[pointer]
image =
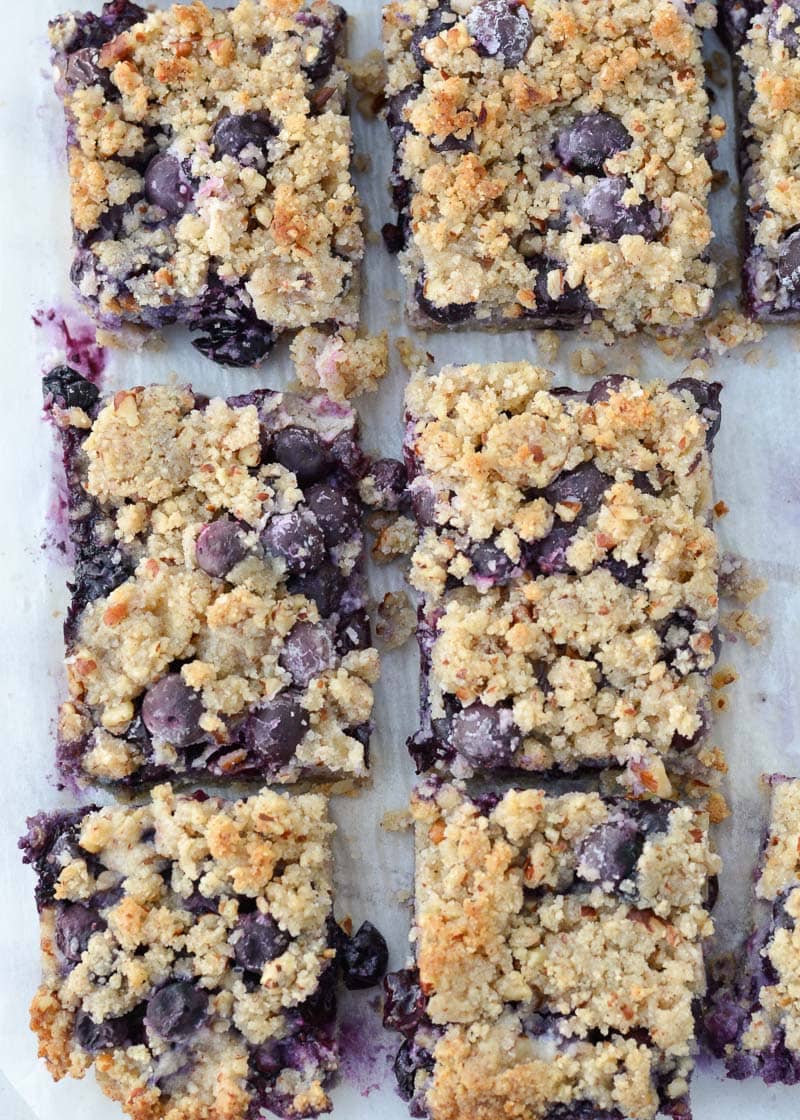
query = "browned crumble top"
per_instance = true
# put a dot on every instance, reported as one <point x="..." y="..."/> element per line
<point x="778" y="1007"/>
<point x="596" y="960"/>
<point x="292" y="235"/>
<point x="771" y="79"/>
<point x="342" y="365"/>
<point x="161" y="469"/>
<point x="477" y="215"/>
<point x="272" y="849"/>
<point x="486" y="435"/>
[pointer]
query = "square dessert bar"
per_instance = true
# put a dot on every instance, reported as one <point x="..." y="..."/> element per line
<point x="754" y="1024"/>
<point x="766" y="39"/>
<point x="551" y="161"/>
<point x="559" y="955"/>
<point x="209" y="159"/>
<point x="568" y="568"/>
<point x="188" y="953"/>
<point x="218" y="625"/>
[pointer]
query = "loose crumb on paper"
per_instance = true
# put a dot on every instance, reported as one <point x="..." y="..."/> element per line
<point x="394" y="537"/>
<point x="586" y="362"/>
<point x="729" y="329"/>
<point x="736" y="581"/>
<point x="396" y="820"/>
<point x="396" y="620"/>
<point x="344" y="365"/>
<point x="413" y="358"/>
<point x="745" y="624"/>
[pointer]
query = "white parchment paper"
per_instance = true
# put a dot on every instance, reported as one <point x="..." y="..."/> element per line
<point x="757" y="476"/>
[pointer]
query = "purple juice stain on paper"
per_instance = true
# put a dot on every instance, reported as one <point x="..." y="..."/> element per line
<point x="72" y="334"/>
<point x="366" y="1053"/>
<point x="71" y="339"/>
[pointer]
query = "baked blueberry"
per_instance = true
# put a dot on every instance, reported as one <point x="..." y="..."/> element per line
<point x="449" y="315"/>
<point x="296" y="539"/>
<point x="302" y="452"/>
<point x="404" y="1002"/>
<point x="580" y="490"/>
<point x="439" y="19"/>
<point x="592" y="138"/>
<point x="336" y="514"/>
<point x="609" y="218"/>
<point x="229" y="331"/>
<point x="171" y="711"/>
<point x="788" y="266"/>
<point x="68" y="389"/>
<point x="610" y="852"/>
<point x="364" y="958"/>
<point x="75" y="925"/>
<point x="109" y="1034"/>
<point x="500" y="28"/>
<point x="177" y="1011"/>
<point x="166" y="185"/>
<point x="325" y="586"/>
<point x="490" y="563"/>
<point x="244" y="136"/>
<point x="308" y="651"/>
<point x="258" y="939"/>
<point x="276" y="728"/>
<point x="219" y="547"/>
<point x="606" y="387"/>
<point x="484" y="736"/>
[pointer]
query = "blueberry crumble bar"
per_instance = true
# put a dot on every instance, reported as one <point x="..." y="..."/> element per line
<point x="552" y="161"/>
<point x="754" y="1021"/>
<point x="766" y="39"/>
<point x="559" y="955"/>
<point x="568" y="571"/>
<point x="188" y="953"/>
<point x="209" y="159"/>
<point x="218" y="622"/>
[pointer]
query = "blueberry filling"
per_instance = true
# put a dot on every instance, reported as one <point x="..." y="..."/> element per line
<point x="166" y="185"/>
<point x="75" y="926"/>
<point x="229" y="331"/>
<point x="259" y="940"/>
<point x="219" y="547"/>
<point x="364" y="958"/>
<point x="275" y="730"/>
<point x="448" y="315"/>
<point x="308" y="651"/>
<point x="296" y="539"/>
<point x="110" y="1034"/>
<point x="788" y="267"/>
<point x="68" y="389"/>
<point x="569" y="305"/>
<point x="609" y="218"/>
<point x="440" y="19"/>
<point x="177" y="1011"/>
<point x="485" y="737"/>
<point x="404" y="1002"/>
<point x="302" y="452"/>
<point x="244" y="137"/>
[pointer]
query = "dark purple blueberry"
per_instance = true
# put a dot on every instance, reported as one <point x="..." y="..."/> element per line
<point x="389" y="480"/>
<point x="337" y="515"/>
<point x="396" y="117"/>
<point x="423" y="502"/>
<point x="581" y="489"/>
<point x="93" y="1037"/>
<point x="353" y="632"/>
<point x="171" y="711"/>
<point x="308" y="651"/>
<point x="571" y="304"/>
<point x="609" y="218"/>
<point x="297" y="539"/>
<point x="410" y="1058"/>
<point x="781" y="918"/>
<point x="404" y="1002"/>
<point x="706" y="395"/>
<point x="220" y="547"/>
<point x="230" y="332"/>
<point x="325" y="587"/>
<point x="268" y="1059"/>
<point x="449" y="315"/>
<point x="489" y="562"/>
<point x="318" y="62"/>
<point x="84" y="70"/>
<point x="484" y="736"/>
<point x="429" y="30"/>
<point x="166" y="185"/>
<point x="198" y="904"/>
<point x="610" y="852"/>
<point x="259" y="940"/>
<point x="394" y="237"/>
<point x="68" y="389"/>
<point x="550" y="553"/>
<point x="320" y="1008"/>
<point x="623" y="573"/>
<point x="500" y="27"/>
<point x="302" y="452"/>
<point x="276" y="729"/>
<point x="676" y="632"/>
<point x="364" y="958"/>
<point x="177" y="1011"/>
<point x="75" y="924"/>
<point x="236" y="133"/>
<point x="591" y="139"/>
<point x="606" y="387"/>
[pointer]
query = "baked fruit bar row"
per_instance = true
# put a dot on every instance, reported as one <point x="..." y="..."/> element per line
<point x="551" y="161"/>
<point x="765" y="38"/>
<point x="190" y="954"/>
<point x="558" y="956"/>
<point x="218" y="625"/>
<point x="568" y="569"/>
<point x="753" y="1021"/>
<point x="209" y="159"/>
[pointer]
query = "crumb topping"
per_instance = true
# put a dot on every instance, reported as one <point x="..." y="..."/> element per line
<point x="342" y="365"/>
